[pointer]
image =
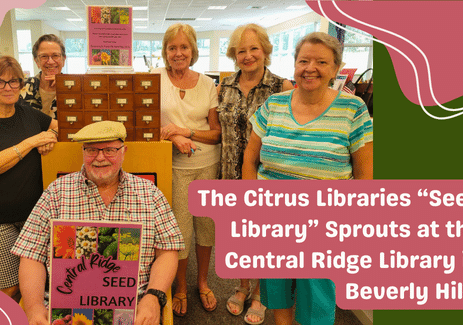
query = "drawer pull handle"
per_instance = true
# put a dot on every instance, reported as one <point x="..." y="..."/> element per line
<point x="121" y="83"/>
<point x="70" y="102"/>
<point x="147" y="101"/>
<point x="71" y="119"/>
<point x="148" y="136"/>
<point x="96" y="101"/>
<point x="146" y="83"/>
<point x="121" y="101"/>
<point x="95" y="84"/>
<point x="122" y="118"/>
<point x="69" y="83"/>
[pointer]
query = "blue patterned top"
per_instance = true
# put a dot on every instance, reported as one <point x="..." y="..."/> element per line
<point x="319" y="149"/>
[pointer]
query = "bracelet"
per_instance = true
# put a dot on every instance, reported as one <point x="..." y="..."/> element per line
<point x="18" y="153"/>
<point x="192" y="133"/>
<point x="53" y="131"/>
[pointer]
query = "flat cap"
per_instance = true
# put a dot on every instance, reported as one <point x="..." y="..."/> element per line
<point x="101" y="132"/>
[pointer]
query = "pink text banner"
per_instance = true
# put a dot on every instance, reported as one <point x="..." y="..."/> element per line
<point x="385" y="244"/>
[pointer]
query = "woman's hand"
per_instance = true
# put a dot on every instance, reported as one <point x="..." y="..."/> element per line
<point x="42" y="139"/>
<point x="45" y="149"/>
<point x="172" y="129"/>
<point x="184" y="145"/>
<point x="50" y="79"/>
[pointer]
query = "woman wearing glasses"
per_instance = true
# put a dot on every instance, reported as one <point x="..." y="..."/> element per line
<point x="40" y="91"/>
<point x="25" y="134"/>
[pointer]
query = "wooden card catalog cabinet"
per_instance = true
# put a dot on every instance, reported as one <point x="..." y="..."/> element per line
<point x="131" y="99"/>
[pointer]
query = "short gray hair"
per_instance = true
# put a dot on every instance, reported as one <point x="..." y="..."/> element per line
<point x="48" y="38"/>
<point x="322" y="38"/>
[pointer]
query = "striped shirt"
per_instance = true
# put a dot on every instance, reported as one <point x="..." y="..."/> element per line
<point x="74" y="197"/>
<point x="319" y="149"/>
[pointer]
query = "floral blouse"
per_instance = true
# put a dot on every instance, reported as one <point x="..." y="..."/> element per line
<point x="31" y="95"/>
<point x="234" y="112"/>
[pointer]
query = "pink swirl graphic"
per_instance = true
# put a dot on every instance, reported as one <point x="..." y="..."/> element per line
<point x="10" y="312"/>
<point x="424" y="69"/>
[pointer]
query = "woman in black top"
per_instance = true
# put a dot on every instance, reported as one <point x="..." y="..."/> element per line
<point x="25" y="134"/>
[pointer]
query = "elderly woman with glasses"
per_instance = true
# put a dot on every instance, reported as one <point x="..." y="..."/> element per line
<point x="310" y="133"/>
<point x="25" y="134"/>
<point x="40" y="91"/>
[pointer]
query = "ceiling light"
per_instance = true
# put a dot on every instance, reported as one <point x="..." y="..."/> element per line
<point x="74" y="19"/>
<point x="256" y="7"/>
<point x="140" y="19"/>
<point x="59" y="8"/>
<point x="203" y="18"/>
<point x="217" y="7"/>
<point x="297" y="7"/>
<point x="139" y="8"/>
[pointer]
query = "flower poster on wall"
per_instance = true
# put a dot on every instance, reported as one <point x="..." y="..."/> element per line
<point x="109" y="36"/>
<point x="94" y="272"/>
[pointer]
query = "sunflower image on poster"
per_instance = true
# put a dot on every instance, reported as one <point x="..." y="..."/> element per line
<point x="107" y="241"/>
<point x="64" y="242"/>
<point x="82" y="317"/>
<point x="129" y="244"/>
<point x="124" y="16"/>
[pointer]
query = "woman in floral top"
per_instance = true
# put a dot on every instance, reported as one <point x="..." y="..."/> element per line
<point x="40" y="91"/>
<point x="240" y="95"/>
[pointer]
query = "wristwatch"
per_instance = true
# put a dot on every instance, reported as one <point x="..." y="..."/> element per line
<point x="161" y="296"/>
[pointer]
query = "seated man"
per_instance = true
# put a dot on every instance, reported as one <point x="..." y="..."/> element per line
<point x="102" y="191"/>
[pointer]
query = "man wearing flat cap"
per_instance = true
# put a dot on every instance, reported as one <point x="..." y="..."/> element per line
<point x="102" y="191"/>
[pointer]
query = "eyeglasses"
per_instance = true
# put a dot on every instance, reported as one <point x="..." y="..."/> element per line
<point x="107" y="152"/>
<point x="14" y="83"/>
<point x="44" y="58"/>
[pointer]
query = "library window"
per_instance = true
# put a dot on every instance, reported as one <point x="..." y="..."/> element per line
<point x="76" y="55"/>
<point x="25" y="52"/>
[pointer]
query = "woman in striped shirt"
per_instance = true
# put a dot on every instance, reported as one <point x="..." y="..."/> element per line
<point x="312" y="132"/>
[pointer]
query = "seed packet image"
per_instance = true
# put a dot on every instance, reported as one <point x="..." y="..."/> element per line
<point x="129" y="244"/>
<point x="123" y="317"/>
<point x="105" y="15"/>
<point x="103" y="316"/>
<point x="61" y="316"/>
<point x="64" y="242"/>
<point x="95" y="13"/>
<point x="114" y="15"/>
<point x="82" y="317"/>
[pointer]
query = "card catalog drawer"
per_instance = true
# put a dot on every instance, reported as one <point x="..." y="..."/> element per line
<point x="130" y="134"/>
<point x="148" y="119"/>
<point x="147" y="101"/>
<point x="95" y="83"/>
<point x="69" y="101"/>
<point x="95" y="116"/>
<point x="147" y="134"/>
<point x="120" y="83"/>
<point x="96" y="102"/>
<point x="68" y="83"/>
<point x="65" y="134"/>
<point x="125" y="117"/>
<point x="70" y="119"/>
<point x="146" y="83"/>
<point x="121" y="101"/>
